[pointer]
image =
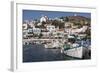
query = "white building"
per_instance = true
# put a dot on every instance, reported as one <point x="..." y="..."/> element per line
<point x="68" y="24"/>
<point x="30" y="30"/>
<point x="25" y="26"/>
<point x="36" y="31"/>
<point x="68" y="31"/>
<point x="31" y="24"/>
<point x="58" y="33"/>
<point x="44" y="18"/>
<point x="51" y="28"/>
<point x="25" y="33"/>
<point x="46" y="34"/>
<point x="83" y="29"/>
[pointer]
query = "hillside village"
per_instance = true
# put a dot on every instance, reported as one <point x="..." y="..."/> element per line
<point x="62" y="27"/>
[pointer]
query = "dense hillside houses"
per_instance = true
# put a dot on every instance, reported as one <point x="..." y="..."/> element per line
<point x="58" y="27"/>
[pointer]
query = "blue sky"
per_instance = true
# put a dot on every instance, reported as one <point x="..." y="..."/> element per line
<point x="36" y="14"/>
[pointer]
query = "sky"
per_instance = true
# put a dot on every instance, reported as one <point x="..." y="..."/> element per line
<point x="36" y="14"/>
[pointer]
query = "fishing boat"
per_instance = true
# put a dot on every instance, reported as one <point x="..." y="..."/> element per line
<point x="75" y="50"/>
<point x="78" y="51"/>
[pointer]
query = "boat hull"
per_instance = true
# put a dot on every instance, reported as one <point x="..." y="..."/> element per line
<point x="75" y="52"/>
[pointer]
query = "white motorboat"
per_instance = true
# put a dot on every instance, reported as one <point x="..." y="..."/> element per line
<point x="54" y="44"/>
<point x="49" y="45"/>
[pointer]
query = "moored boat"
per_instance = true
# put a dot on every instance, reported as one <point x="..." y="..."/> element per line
<point x="76" y="52"/>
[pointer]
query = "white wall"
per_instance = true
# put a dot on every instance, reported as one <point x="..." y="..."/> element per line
<point x="5" y="35"/>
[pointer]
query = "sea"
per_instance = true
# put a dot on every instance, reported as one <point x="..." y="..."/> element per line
<point x="38" y="53"/>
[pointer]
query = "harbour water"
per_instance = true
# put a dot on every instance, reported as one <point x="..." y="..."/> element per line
<point x="37" y="53"/>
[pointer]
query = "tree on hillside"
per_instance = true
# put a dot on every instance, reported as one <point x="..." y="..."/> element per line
<point x="58" y="24"/>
